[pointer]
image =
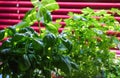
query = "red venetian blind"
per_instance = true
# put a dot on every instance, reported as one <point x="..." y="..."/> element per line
<point x="12" y="11"/>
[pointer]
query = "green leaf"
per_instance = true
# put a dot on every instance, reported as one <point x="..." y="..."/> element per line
<point x="5" y="51"/>
<point x="87" y="10"/>
<point x="33" y="60"/>
<point x="74" y="65"/>
<point x="51" y="27"/>
<point x="37" y="44"/>
<point x="22" y="24"/>
<point x="6" y="43"/>
<point x="49" y="39"/>
<point x="50" y="4"/>
<point x="67" y="43"/>
<point x="32" y="31"/>
<point x="18" y="51"/>
<point x="23" y="30"/>
<point x="63" y="63"/>
<point x="101" y="12"/>
<point x="24" y="63"/>
<point x="18" y="37"/>
<point x="39" y="14"/>
<point x="28" y="31"/>
<point x="30" y="16"/>
<point x="11" y="31"/>
<point x="115" y="10"/>
<point x="76" y="17"/>
<point x="35" y="3"/>
<point x="2" y="34"/>
<point x="62" y="48"/>
<point x="66" y="64"/>
<point x="46" y="15"/>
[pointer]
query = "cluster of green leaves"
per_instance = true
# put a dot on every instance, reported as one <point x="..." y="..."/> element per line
<point x="91" y="45"/>
<point x="28" y="54"/>
<point x="25" y="52"/>
<point x="41" y="12"/>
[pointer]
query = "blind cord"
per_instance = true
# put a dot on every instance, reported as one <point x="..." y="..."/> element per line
<point x="18" y="11"/>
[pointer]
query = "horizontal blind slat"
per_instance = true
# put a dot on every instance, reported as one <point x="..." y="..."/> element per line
<point x="8" y="3"/>
<point x="113" y="1"/>
<point x="91" y="5"/>
<point x="71" y="4"/>
<point x="15" y="16"/>
<point x="13" y="10"/>
<point x="62" y="11"/>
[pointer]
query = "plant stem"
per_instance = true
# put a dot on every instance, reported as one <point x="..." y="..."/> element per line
<point x="26" y="46"/>
<point x="39" y="26"/>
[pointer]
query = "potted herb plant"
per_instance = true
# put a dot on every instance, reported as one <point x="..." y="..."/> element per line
<point x="91" y="43"/>
<point x="25" y="53"/>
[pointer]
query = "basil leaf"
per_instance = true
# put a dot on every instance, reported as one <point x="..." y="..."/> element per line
<point x="2" y="34"/>
<point x="50" y="4"/>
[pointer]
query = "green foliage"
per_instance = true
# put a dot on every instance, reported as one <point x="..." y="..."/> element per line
<point x="80" y="51"/>
<point x="26" y="51"/>
<point x="40" y="12"/>
<point x="51" y="28"/>
<point x="115" y="11"/>
<point x="91" y="45"/>
<point x="2" y="34"/>
<point x="28" y="54"/>
<point x="35" y="3"/>
<point x="50" y="40"/>
<point x="30" y="17"/>
<point x="50" y="4"/>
